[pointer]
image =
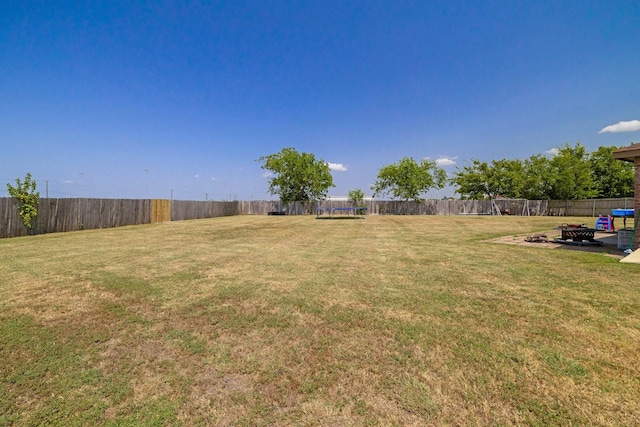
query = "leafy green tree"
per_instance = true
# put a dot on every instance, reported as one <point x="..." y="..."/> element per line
<point x="537" y="180"/>
<point x="571" y="174"/>
<point x="504" y="178"/>
<point x="298" y="177"/>
<point x="356" y="197"/>
<point x="27" y="196"/>
<point x="471" y="180"/>
<point x="408" y="179"/>
<point x="611" y="177"/>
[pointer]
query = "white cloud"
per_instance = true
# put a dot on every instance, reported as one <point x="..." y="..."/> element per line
<point x="197" y="176"/>
<point x="68" y="181"/>
<point x="629" y="126"/>
<point x="337" y="167"/>
<point x="267" y="174"/>
<point x="553" y="151"/>
<point x="446" y="161"/>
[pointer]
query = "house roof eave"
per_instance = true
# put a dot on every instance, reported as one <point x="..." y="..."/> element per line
<point x="628" y="154"/>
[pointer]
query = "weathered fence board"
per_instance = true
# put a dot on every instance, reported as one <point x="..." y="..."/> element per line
<point x="160" y="210"/>
<point x="58" y="215"/>
<point x="591" y="207"/>
<point x="266" y="207"/>
<point x="390" y="207"/>
<point x="183" y="210"/>
<point x="260" y="207"/>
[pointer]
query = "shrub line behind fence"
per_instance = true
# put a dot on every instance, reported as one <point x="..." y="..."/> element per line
<point x="72" y="214"/>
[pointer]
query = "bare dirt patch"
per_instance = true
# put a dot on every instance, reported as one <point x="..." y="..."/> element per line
<point x="609" y="246"/>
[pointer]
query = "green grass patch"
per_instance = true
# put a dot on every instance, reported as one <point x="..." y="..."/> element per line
<point x="391" y="320"/>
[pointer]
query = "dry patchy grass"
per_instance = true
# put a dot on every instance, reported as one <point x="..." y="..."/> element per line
<point x="294" y="321"/>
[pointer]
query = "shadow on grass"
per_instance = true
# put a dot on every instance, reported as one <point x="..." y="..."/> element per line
<point x="340" y="217"/>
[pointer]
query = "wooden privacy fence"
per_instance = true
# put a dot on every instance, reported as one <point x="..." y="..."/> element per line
<point x="390" y="207"/>
<point x="591" y="207"/>
<point x="266" y="207"/>
<point x="460" y="207"/>
<point x="56" y="215"/>
<point x="160" y="210"/>
<point x="182" y="210"/>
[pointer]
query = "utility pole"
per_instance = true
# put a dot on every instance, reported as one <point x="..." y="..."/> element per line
<point x="206" y="197"/>
<point x="46" y="186"/>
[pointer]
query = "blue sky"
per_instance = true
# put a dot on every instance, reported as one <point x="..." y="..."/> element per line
<point x="132" y="99"/>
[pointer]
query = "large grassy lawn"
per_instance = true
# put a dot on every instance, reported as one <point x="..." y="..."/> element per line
<point x="258" y="320"/>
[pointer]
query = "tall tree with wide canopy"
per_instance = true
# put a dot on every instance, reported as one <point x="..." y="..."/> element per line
<point x="297" y="177"/>
<point x="538" y="180"/>
<point x="611" y="178"/>
<point x="571" y="174"/>
<point x="408" y="179"/>
<point x="471" y="180"/>
<point x="504" y="178"/>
